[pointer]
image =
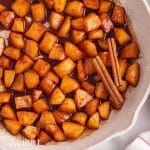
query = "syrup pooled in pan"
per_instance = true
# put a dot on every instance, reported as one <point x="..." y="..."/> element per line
<point x="88" y="102"/>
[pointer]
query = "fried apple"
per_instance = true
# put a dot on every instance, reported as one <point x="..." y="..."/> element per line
<point x="49" y="3"/>
<point x="91" y="4"/>
<point x="1" y="72"/>
<point x="78" y="24"/>
<point x="59" y="5"/>
<point x="90" y="88"/>
<point x="2" y="87"/>
<point x="80" y="70"/>
<point x="18" y="25"/>
<point x="9" y="76"/>
<point x="78" y="36"/>
<point x="36" y="94"/>
<point x="53" y="77"/>
<point x="105" y="6"/>
<point x="89" y="67"/>
<point x="103" y="44"/>
<point x="123" y="65"/>
<point x="123" y="87"/>
<point x="105" y="56"/>
<point x="2" y="45"/>
<point x="5" y="97"/>
<point x="96" y="34"/>
<point x="4" y="62"/>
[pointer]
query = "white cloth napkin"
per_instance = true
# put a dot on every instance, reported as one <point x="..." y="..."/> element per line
<point x="142" y="142"/>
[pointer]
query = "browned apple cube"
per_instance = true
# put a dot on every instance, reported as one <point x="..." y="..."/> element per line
<point x="80" y="117"/>
<point x="64" y="68"/>
<point x="53" y="77"/>
<point x="21" y="7"/>
<point x="89" y="67"/>
<point x="68" y="85"/>
<point x="91" y="4"/>
<point x="70" y="127"/>
<point x="122" y="36"/>
<point x="8" y="112"/>
<point x="104" y="110"/>
<point x="65" y="28"/>
<point x="30" y="132"/>
<point x="12" y="126"/>
<point x="41" y="67"/>
<point x="74" y="9"/>
<point x="78" y="36"/>
<point x="31" y="48"/>
<point x="6" y="18"/>
<point x="73" y="52"/>
<point x="2" y="87"/>
<point x="12" y="52"/>
<point x="96" y="34"/>
<point x="94" y="121"/>
<point x="105" y="6"/>
<point x="38" y="12"/>
<point x="81" y="98"/>
<point x="23" y="64"/>
<point x="43" y="138"/>
<point x="36" y="94"/>
<point x="123" y="65"/>
<point x="57" y="97"/>
<point x="91" y="22"/>
<point x="9" y="76"/>
<point x="105" y="56"/>
<point x="106" y="23"/>
<point x="57" y="52"/>
<point x="4" y="62"/>
<point x="118" y="15"/>
<point x="56" y="132"/>
<point x="45" y="119"/>
<point x="47" y="84"/>
<point x="5" y="97"/>
<point x="2" y="7"/>
<point x="1" y="72"/>
<point x="47" y="42"/>
<point x="103" y="43"/>
<point x="68" y="106"/>
<point x="80" y="70"/>
<point x="60" y="116"/>
<point x="59" y="5"/>
<point x="18" y="25"/>
<point x="49" y="4"/>
<point x="23" y="102"/>
<point x="123" y="87"/>
<point x="90" y="88"/>
<point x="55" y="20"/>
<point x="133" y="74"/>
<point x="36" y="31"/>
<point x="40" y="105"/>
<point x="2" y="45"/>
<point x="89" y="48"/>
<point x="18" y="84"/>
<point x="26" y="118"/>
<point x="78" y="24"/>
<point x="100" y="91"/>
<point x="92" y="106"/>
<point x="130" y="51"/>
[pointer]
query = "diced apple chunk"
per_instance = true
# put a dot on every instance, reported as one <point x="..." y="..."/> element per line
<point x="9" y="76"/>
<point x="90" y="88"/>
<point x="91" y="4"/>
<point x="80" y="70"/>
<point x="78" y="36"/>
<point x="5" y="97"/>
<point x="59" y="5"/>
<point x="18" y="25"/>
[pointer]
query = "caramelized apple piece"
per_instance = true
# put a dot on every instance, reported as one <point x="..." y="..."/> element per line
<point x="100" y="91"/>
<point x="4" y="62"/>
<point x="18" y="25"/>
<point x="60" y="116"/>
<point x="123" y="87"/>
<point x="68" y="85"/>
<point x="80" y="70"/>
<point x="122" y="36"/>
<point x="12" y="126"/>
<point x="72" y="130"/>
<point x="96" y="34"/>
<point x="1" y="72"/>
<point x="103" y="44"/>
<point x="18" y="84"/>
<point x="92" y="4"/>
<point x="91" y="22"/>
<point x="56" y="132"/>
<point x="36" y="31"/>
<point x="2" y="45"/>
<point x="81" y="98"/>
<point x="74" y="9"/>
<point x="30" y="132"/>
<point x="123" y="65"/>
<point x="23" y="102"/>
<point x="89" y="48"/>
<point x="5" y="97"/>
<point x="2" y="87"/>
<point x="68" y="106"/>
<point x="41" y="67"/>
<point x="21" y="7"/>
<point x="118" y="15"/>
<point x="80" y="117"/>
<point x="92" y="106"/>
<point x="59" y="5"/>
<point x="53" y="77"/>
<point x="65" y="67"/>
<point x="8" y="112"/>
<point x="78" y="36"/>
<point x="65" y="28"/>
<point x="45" y="119"/>
<point x="133" y="74"/>
<point x="12" y="52"/>
<point x="49" y="4"/>
<point x="57" y="52"/>
<point x="26" y="118"/>
<point x="72" y="51"/>
<point x="130" y="51"/>
<point x="57" y="97"/>
<point x="105" y="6"/>
<point x="9" y="76"/>
<point x="105" y="56"/>
<point x="23" y="64"/>
<point x="6" y="18"/>
<point x="47" y="43"/>
<point x="38" y="12"/>
<point x="89" y="67"/>
<point x="36" y="94"/>
<point x="2" y="7"/>
<point x="78" y="24"/>
<point x="94" y="121"/>
<point x="55" y="20"/>
<point x="85" y="85"/>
